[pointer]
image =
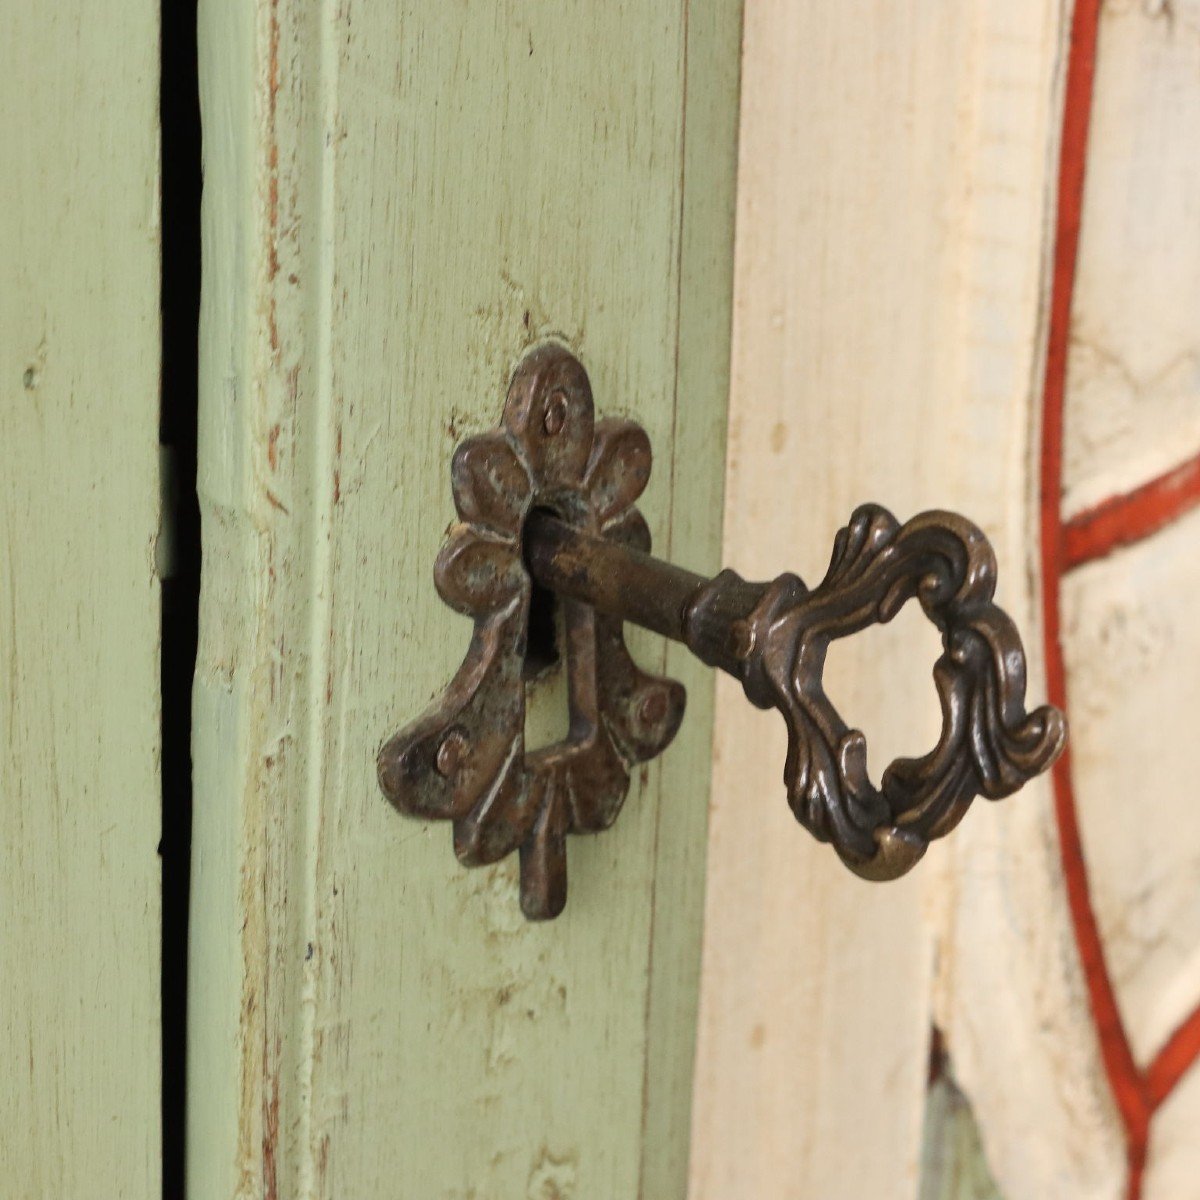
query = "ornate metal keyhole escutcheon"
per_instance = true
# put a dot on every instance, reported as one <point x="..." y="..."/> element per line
<point x="549" y="496"/>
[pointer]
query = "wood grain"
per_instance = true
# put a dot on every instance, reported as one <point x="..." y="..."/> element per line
<point x="895" y="195"/>
<point x="815" y="1005"/>
<point x="79" y="620"/>
<point x="1131" y="406"/>
<point x="399" y="200"/>
<point x="1014" y="998"/>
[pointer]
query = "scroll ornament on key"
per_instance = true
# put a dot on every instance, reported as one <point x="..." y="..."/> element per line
<point x="548" y="496"/>
<point x="989" y="746"/>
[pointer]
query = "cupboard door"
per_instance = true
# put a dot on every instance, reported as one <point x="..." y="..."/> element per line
<point x="79" y="623"/>
<point x="969" y="264"/>
<point x="400" y="199"/>
<point x="887" y="306"/>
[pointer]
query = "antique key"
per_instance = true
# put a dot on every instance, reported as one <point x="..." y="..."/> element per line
<point x="547" y="498"/>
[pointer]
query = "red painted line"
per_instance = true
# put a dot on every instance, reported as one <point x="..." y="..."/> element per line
<point x="1119" y="521"/>
<point x="1123" y="520"/>
<point x="1173" y="1060"/>
<point x="1125" y="1081"/>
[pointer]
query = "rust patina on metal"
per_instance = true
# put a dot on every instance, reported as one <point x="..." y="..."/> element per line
<point x="465" y="759"/>
<point x="548" y="497"/>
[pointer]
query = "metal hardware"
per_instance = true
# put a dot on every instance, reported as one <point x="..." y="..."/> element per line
<point x="548" y="497"/>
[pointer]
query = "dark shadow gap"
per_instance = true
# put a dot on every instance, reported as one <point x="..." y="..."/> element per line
<point x="541" y="641"/>
<point x="181" y="178"/>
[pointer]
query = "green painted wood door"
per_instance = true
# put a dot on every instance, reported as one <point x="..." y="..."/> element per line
<point x="80" y="792"/>
<point x="399" y="200"/>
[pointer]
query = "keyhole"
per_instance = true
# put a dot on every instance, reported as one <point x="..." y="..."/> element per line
<point x="542" y="634"/>
<point x="546" y="704"/>
<point x="541" y="637"/>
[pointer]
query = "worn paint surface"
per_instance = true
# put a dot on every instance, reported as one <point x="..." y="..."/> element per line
<point x="979" y="282"/>
<point x="399" y="200"/>
<point x="891" y="234"/>
<point x="79" y="618"/>
<point x="1120" y="471"/>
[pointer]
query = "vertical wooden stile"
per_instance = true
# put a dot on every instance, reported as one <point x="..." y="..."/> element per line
<point x="399" y="200"/>
<point x="80" y="792"/>
<point x="896" y="196"/>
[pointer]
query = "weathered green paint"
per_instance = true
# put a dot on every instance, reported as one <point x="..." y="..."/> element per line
<point x="953" y="1166"/>
<point x="79" y="614"/>
<point x="399" y="200"/>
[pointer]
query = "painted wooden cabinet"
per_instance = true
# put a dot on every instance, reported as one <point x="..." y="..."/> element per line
<point x="988" y="212"/>
<point x="926" y="255"/>
<point x="399" y="200"/>
<point x="80" y="798"/>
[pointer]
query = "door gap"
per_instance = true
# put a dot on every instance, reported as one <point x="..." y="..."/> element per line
<point x="179" y="112"/>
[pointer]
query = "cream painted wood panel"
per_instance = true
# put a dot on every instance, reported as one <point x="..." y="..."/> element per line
<point x="1133" y="412"/>
<point x="1133" y="396"/>
<point x="1131" y="640"/>
<point x="896" y="193"/>
<point x="399" y="200"/>
<point x="1010" y="996"/>
<point x="79" y="623"/>
<point x="1171" y="1162"/>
